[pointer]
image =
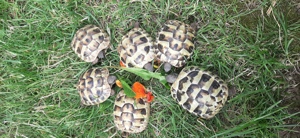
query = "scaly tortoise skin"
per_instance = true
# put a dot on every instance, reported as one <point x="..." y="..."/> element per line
<point x="136" y="49"/>
<point x="94" y="86"/>
<point x="175" y="44"/>
<point x="199" y="92"/>
<point x="90" y="43"/>
<point x="130" y="115"/>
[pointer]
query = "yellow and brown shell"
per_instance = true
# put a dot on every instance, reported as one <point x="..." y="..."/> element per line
<point x="89" y="41"/>
<point x="130" y="115"/>
<point x="93" y="86"/>
<point x="175" y="43"/>
<point x="199" y="92"/>
<point x="136" y="48"/>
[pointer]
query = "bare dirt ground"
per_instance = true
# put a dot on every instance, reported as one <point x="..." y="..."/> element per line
<point x="291" y="98"/>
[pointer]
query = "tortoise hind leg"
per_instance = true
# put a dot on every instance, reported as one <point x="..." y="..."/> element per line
<point x="167" y="67"/>
<point x="149" y="67"/>
<point x="101" y="55"/>
<point x="171" y="78"/>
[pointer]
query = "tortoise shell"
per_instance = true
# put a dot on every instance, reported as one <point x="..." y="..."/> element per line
<point x="199" y="92"/>
<point x="136" y="48"/>
<point x="175" y="43"/>
<point x="130" y="115"/>
<point x="94" y="86"/>
<point x="89" y="42"/>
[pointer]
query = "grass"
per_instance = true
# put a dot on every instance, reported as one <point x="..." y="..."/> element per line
<point x="252" y="51"/>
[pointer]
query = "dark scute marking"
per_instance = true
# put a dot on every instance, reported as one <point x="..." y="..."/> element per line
<point x="160" y="48"/>
<point x="88" y="73"/>
<point x="119" y="98"/>
<point x="79" y="49"/>
<point x="81" y="37"/>
<point x="101" y="37"/>
<point x="123" y="60"/>
<point x="144" y="39"/>
<point x="190" y="49"/>
<point x="220" y="103"/>
<point x="81" y="84"/>
<point x="130" y="65"/>
<point x="198" y="110"/>
<point x="147" y="48"/>
<point x="205" y="78"/>
<point x="209" y="112"/>
<point x="89" y="90"/>
<point x="92" y="98"/>
<point x="215" y="84"/>
<point x="87" y="40"/>
<point x="178" y="96"/>
<point x="99" y="93"/>
<point x="193" y="74"/>
<point x="96" y="30"/>
<point x="220" y="94"/>
<point x="84" y="98"/>
<point x="187" y="105"/>
<point x="117" y="108"/>
<point x="139" y="59"/>
<point x="181" y="82"/>
<point x="90" y="82"/>
<point x="204" y="92"/>
<point x="174" y="95"/>
<point x="138" y="33"/>
<point x="73" y="45"/>
<point x="199" y="97"/>
<point x="131" y="40"/>
<point x="129" y="115"/>
<point x="128" y="106"/>
<point x="174" y="46"/>
<point x="131" y="51"/>
<point x="168" y="54"/>
<point x="102" y="98"/>
<point x="100" y="82"/>
<point x="191" y="68"/>
<point x="143" y="111"/>
<point x="224" y="88"/>
<point x="97" y="71"/>
<point x="141" y="101"/>
<point x="213" y="98"/>
<point x="85" y="54"/>
<point x="165" y="28"/>
<point x="161" y="37"/>
<point x="142" y="120"/>
<point x="189" y="91"/>
<point x="208" y="104"/>
<point x="192" y="88"/>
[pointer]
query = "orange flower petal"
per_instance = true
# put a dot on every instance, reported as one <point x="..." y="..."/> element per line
<point x="119" y="84"/>
<point x="150" y="97"/>
<point x="122" y="64"/>
<point x="139" y="89"/>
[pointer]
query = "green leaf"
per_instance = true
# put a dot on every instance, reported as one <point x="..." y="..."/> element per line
<point x="127" y="89"/>
<point x="147" y="75"/>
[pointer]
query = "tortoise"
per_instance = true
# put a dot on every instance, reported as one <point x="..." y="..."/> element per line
<point x="90" y="43"/>
<point x="136" y="49"/>
<point x="198" y="91"/>
<point x="131" y="115"/>
<point x="94" y="86"/>
<point x="175" y="44"/>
